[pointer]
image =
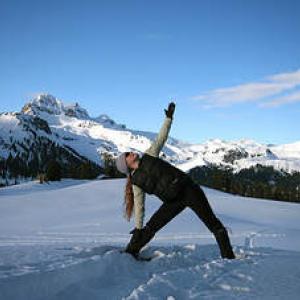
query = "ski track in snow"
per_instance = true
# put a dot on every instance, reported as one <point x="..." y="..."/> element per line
<point x="60" y="241"/>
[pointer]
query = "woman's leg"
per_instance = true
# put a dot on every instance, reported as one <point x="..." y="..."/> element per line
<point x="165" y="213"/>
<point x="195" y="198"/>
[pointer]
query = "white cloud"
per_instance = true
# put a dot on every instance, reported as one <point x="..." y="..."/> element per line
<point x="292" y="77"/>
<point x="291" y="98"/>
<point x="270" y="86"/>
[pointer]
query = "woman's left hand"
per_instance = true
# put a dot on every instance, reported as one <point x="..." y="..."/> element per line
<point x="170" y="111"/>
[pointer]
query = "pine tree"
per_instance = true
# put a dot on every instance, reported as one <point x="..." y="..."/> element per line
<point x="53" y="172"/>
<point x="110" y="169"/>
<point x="86" y="171"/>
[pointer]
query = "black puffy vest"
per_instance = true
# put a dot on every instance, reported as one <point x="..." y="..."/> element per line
<point x="157" y="176"/>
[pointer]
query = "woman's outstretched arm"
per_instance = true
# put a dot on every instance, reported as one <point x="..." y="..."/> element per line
<point x="161" y="138"/>
<point x="163" y="134"/>
<point x="139" y="206"/>
<point x="155" y="148"/>
<point x="139" y="195"/>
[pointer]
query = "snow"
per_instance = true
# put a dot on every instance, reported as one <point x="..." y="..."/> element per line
<point x="71" y="126"/>
<point x="286" y="157"/>
<point x="62" y="241"/>
<point x="288" y="150"/>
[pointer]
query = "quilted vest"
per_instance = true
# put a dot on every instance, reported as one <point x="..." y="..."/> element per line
<point x="157" y="176"/>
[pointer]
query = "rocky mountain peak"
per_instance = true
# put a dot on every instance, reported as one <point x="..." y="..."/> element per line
<point x="107" y="121"/>
<point x="47" y="103"/>
<point x="75" y="110"/>
<point x="43" y="103"/>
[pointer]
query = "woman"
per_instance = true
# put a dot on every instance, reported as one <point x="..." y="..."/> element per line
<point x="148" y="173"/>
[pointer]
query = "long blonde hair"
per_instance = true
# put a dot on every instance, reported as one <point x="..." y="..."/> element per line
<point x="128" y="199"/>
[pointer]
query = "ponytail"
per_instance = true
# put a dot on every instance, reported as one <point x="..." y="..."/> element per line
<point x="128" y="199"/>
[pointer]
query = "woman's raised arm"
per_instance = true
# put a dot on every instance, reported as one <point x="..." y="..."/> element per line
<point x="156" y="146"/>
<point x="162" y="136"/>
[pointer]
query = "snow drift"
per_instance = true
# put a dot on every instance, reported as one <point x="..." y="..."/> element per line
<point x="62" y="241"/>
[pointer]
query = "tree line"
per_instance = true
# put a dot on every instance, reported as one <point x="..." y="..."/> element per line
<point x="43" y="157"/>
<point x="257" y="181"/>
<point x="48" y="161"/>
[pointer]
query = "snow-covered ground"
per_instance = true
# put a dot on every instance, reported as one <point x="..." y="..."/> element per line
<point x="62" y="241"/>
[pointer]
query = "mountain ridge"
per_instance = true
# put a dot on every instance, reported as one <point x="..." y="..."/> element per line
<point x="70" y="127"/>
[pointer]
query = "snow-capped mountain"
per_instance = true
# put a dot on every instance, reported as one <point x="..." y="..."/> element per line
<point x="71" y="128"/>
<point x="244" y="154"/>
<point x="51" y="105"/>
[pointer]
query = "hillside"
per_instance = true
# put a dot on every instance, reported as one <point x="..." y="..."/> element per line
<point x="62" y="241"/>
<point x="48" y="129"/>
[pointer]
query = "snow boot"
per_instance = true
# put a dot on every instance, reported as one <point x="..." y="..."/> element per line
<point x="139" y="239"/>
<point x="223" y="241"/>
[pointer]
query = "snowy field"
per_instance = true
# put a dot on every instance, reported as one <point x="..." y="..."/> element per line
<point x="62" y="241"/>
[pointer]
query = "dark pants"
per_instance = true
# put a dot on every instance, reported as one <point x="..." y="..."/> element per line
<point x="191" y="196"/>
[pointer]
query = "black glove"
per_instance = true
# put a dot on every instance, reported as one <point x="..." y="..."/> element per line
<point x="170" y="111"/>
<point x="140" y="237"/>
<point x="135" y="230"/>
<point x="133" y="246"/>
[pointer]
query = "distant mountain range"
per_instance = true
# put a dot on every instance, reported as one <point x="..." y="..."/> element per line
<point x="47" y="121"/>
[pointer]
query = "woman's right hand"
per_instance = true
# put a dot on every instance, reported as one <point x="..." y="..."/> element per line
<point x="135" y="230"/>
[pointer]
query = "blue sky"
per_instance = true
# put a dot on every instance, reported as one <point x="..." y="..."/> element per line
<point x="231" y="66"/>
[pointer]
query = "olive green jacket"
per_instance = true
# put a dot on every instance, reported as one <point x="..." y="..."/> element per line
<point x="154" y="150"/>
